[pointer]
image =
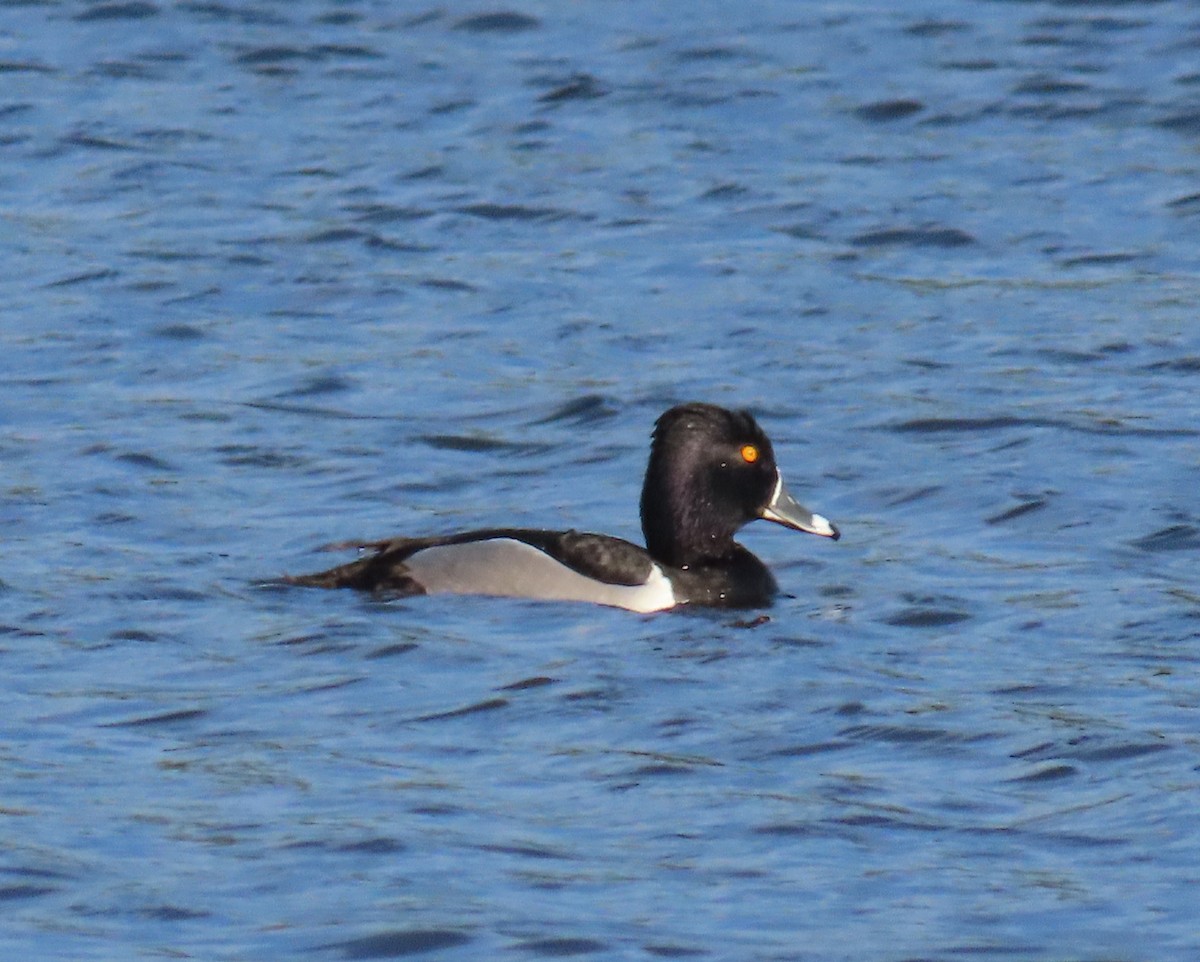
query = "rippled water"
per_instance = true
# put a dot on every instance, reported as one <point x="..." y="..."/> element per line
<point x="281" y="274"/>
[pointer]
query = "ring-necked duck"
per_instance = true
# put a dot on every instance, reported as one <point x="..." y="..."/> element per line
<point x="711" y="471"/>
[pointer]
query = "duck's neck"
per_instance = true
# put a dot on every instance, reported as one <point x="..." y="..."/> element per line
<point x="674" y="532"/>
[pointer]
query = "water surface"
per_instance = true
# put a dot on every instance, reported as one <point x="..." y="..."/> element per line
<point x="282" y="274"/>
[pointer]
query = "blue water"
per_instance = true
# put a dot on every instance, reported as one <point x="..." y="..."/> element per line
<point x="279" y="274"/>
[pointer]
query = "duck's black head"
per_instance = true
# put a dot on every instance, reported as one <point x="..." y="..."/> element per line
<point x="711" y="471"/>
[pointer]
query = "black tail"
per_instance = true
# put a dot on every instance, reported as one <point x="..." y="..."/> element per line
<point x="350" y="575"/>
<point x="381" y="571"/>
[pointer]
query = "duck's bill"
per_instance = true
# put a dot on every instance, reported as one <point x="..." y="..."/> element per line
<point x="786" y="510"/>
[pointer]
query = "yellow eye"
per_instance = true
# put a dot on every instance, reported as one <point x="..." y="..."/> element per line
<point x="749" y="453"/>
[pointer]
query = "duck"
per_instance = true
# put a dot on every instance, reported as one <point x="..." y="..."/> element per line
<point x="711" y="471"/>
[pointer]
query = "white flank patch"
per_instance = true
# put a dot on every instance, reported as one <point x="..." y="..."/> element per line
<point x="514" y="569"/>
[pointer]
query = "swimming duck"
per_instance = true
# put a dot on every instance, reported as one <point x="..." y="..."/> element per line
<point x="711" y="471"/>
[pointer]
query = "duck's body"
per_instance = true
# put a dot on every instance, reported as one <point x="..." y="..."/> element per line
<point x="549" y="565"/>
<point x="711" y="471"/>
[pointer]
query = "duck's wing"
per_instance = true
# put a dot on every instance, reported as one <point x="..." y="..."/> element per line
<point x="381" y="568"/>
<point x="514" y="562"/>
<point x="613" y="561"/>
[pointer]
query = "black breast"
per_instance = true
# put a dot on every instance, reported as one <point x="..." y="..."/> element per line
<point x="739" y="580"/>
